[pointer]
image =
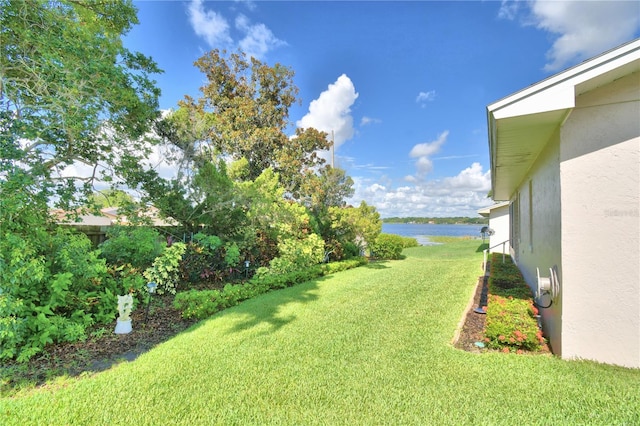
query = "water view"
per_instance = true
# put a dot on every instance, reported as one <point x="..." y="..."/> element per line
<point x="422" y="232"/>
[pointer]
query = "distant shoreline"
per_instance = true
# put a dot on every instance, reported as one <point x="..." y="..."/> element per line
<point x="438" y="220"/>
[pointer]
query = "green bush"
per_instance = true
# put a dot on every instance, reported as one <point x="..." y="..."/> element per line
<point x="510" y="323"/>
<point x="165" y="270"/>
<point x="350" y="250"/>
<point x="387" y="246"/>
<point x="208" y="259"/>
<point x="202" y="304"/>
<point x="296" y="254"/>
<point x="408" y="242"/>
<point x="53" y="288"/>
<point x="134" y="245"/>
<point x="343" y="265"/>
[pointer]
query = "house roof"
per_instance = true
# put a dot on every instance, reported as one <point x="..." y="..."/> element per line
<point x="111" y="216"/>
<point x="486" y="212"/>
<point x="61" y="217"/>
<point x="521" y="124"/>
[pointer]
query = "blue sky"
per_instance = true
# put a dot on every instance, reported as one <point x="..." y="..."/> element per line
<point x="403" y="85"/>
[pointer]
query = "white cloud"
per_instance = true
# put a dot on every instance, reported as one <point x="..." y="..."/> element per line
<point x="250" y="4"/>
<point x="509" y="9"/>
<point x="423" y="166"/>
<point x="208" y="24"/>
<point x="423" y="151"/>
<point x="258" y="39"/>
<point x="424" y="97"/>
<point x="429" y="148"/>
<point x="471" y="179"/>
<point x="582" y="28"/>
<point x="331" y="112"/>
<point x="460" y="195"/>
<point x="368" y="120"/>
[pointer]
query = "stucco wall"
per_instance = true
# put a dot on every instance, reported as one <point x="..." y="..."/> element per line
<point x="499" y="222"/>
<point x="541" y="246"/>
<point x="600" y="172"/>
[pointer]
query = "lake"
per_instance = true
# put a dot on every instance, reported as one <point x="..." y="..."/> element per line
<point x="421" y="232"/>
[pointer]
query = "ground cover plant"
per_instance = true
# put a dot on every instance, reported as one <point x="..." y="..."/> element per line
<point x="370" y="345"/>
<point x="511" y="323"/>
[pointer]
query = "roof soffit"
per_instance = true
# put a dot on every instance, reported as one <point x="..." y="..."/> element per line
<point x="521" y="125"/>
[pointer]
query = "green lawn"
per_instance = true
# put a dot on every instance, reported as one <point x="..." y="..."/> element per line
<point x="366" y="346"/>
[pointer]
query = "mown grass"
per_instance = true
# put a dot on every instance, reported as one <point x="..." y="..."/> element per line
<point x="365" y="346"/>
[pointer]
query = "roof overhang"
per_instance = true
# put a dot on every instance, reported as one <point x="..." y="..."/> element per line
<point x="521" y="125"/>
<point x="486" y="212"/>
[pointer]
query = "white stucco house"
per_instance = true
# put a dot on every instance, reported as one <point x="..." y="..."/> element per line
<point x="565" y="154"/>
<point x="498" y="215"/>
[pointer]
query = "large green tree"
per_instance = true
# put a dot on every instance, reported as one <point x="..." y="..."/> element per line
<point x="243" y="112"/>
<point x="70" y="92"/>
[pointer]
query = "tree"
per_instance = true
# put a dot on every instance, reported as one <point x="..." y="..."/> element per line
<point x="360" y="226"/>
<point x="70" y="92"/>
<point x="322" y="191"/>
<point x="329" y="188"/>
<point x="243" y="113"/>
<point x="110" y="198"/>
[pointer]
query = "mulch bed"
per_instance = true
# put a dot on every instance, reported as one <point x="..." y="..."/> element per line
<point x="472" y="330"/>
<point x="105" y="348"/>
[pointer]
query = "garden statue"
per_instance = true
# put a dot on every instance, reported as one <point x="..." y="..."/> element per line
<point x="123" y="324"/>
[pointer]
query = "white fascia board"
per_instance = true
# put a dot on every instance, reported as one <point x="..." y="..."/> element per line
<point x="552" y="99"/>
<point x="558" y="91"/>
<point x="486" y="211"/>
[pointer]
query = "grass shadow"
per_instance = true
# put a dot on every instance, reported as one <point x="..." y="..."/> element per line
<point x="267" y="308"/>
<point x="482" y="247"/>
<point x="376" y="264"/>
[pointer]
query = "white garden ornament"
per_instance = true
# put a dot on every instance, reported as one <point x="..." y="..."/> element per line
<point x="123" y="324"/>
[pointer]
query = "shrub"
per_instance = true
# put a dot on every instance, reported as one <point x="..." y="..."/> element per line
<point x="208" y="259"/>
<point x="165" y="270"/>
<point x="350" y="250"/>
<point x="408" y="242"/>
<point x="53" y="288"/>
<point x="202" y="304"/>
<point x="506" y="280"/>
<point x="510" y="323"/>
<point x="387" y="246"/>
<point x="134" y="245"/>
<point x="296" y="254"/>
<point x="333" y="267"/>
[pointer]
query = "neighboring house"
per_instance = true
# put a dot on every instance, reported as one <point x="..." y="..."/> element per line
<point x="498" y="215"/>
<point x="565" y="153"/>
<point x="96" y="226"/>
